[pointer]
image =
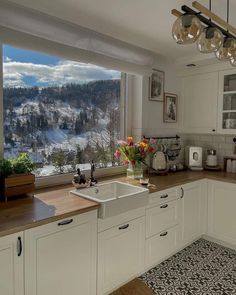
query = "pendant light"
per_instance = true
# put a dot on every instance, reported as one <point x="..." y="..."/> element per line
<point x="186" y="29"/>
<point x="233" y="61"/>
<point x="210" y="39"/>
<point x="228" y="49"/>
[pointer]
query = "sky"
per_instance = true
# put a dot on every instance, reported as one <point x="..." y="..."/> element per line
<point x="26" y="68"/>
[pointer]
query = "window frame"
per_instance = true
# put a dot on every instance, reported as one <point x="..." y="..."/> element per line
<point x="58" y="179"/>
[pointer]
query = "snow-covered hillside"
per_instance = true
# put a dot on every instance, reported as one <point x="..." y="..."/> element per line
<point x="59" y="129"/>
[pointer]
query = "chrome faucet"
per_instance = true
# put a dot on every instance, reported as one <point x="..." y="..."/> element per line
<point x="93" y="181"/>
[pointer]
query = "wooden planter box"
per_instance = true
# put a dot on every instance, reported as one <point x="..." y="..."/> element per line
<point x="19" y="184"/>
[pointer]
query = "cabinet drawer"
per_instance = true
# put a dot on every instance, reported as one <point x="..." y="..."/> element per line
<point x="120" y="255"/>
<point x="161" y="246"/>
<point x="161" y="217"/>
<point x="163" y="196"/>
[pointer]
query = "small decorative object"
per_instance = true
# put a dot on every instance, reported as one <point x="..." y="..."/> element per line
<point x="80" y="180"/>
<point x="134" y="155"/>
<point x="144" y="181"/>
<point x="16" y="177"/>
<point x="170" y="108"/>
<point x="156" y="85"/>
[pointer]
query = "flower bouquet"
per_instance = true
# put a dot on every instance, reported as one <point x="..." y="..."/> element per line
<point x="133" y="154"/>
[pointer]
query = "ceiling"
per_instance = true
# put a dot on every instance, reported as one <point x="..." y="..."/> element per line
<point x="146" y="23"/>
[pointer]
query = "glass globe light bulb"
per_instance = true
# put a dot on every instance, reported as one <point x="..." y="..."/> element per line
<point x="233" y="61"/>
<point x="210" y="40"/>
<point x="227" y="49"/>
<point x="186" y="29"/>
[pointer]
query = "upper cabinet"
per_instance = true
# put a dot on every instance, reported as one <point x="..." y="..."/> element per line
<point x="199" y="103"/>
<point x="227" y="102"/>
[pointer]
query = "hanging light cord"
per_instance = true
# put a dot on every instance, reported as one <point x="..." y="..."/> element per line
<point x="227" y="13"/>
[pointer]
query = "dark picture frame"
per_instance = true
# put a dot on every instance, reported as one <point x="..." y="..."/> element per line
<point x="156" y="85"/>
<point x="170" y="108"/>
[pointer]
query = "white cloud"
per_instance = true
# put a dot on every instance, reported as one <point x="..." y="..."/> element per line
<point x="62" y="73"/>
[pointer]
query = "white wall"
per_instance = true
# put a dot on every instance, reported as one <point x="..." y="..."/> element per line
<point x="148" y="115"/>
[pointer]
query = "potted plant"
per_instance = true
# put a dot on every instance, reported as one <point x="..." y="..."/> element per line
<point x="134" y="154"/>
<point x="16" y="176"/>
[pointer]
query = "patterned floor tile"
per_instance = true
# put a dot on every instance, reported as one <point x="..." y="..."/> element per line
<point x="203" y="268"/>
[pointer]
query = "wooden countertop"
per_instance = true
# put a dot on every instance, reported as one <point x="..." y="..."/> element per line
<point x="52" y="204"/>
<point x="47" y="206"/>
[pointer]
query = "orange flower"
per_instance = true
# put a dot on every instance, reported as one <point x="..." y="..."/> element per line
<point x="143" y="145"/>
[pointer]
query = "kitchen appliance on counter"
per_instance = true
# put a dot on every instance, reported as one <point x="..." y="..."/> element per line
<point x="211" y="158"/>
<point x="159" y="161"/>
<point x="193" y="157"/>
<point x="211" y="161"/>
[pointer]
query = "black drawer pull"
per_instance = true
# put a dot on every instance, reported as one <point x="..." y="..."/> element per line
<point x="164" y="206"/>
<point x="164" y="196"/>
<point x="65" y="222"/>
<point x="164" y="234"/>
<point x="19" y="246"/>
<point x="123" y="226"/>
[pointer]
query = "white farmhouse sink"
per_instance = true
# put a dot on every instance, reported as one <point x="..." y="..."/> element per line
<point x="115" y="197"/>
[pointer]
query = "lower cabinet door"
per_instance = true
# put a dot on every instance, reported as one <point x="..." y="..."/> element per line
<point x="191" y="212"/>
<point x="221" y="211"/>
<point x="11" y="265"/>
<point x="161" y="246"/>
<point x="120" y="254"/>
<point x="60" y="257"/>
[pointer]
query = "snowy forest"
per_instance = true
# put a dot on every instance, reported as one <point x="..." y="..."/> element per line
<point x="63" y="126"/>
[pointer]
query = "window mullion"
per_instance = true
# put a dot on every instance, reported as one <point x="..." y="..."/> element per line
<point x="1" y="103"/>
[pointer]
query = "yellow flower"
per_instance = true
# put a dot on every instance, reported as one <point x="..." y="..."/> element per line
<point x="143" y="145"/>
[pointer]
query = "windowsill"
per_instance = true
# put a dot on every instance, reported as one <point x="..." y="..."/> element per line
<point x="60" y="179"/>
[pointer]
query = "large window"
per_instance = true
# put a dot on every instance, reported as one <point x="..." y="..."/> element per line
<point x="62" y="113"/>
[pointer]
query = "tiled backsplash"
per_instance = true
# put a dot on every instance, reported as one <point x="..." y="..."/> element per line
<point x="223" y="144"/>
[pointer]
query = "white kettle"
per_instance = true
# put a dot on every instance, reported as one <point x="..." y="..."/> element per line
<point x="159" y="161"/>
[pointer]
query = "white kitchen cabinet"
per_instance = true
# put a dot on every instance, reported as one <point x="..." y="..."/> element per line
<point x="191" y="212"/>
<point x="199" y="103"/>
<point x="11" y="265"/>
<point x="120" y="254"/>
<point x="221" y="211"/>
<point x="227" y="102"/>
<point x="60" y="257"/>
<point x="161" y="246"/>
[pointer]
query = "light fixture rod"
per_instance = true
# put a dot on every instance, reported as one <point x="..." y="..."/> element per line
<point x="176" y="13"/>
<point x="214" y="17"/>
<point x="206" y="21"/>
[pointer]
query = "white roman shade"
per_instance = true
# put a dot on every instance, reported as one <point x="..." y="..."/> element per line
<point x="22" y="25"/>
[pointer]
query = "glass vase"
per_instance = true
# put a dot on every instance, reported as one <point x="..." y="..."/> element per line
<point x="135" y="171"/>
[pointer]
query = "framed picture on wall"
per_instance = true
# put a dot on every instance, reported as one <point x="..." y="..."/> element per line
<point x="170" y="106"/>
<point x="156" y="85"/>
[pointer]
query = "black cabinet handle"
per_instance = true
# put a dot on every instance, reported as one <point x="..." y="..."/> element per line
<point x="19" y="246"/>
<point x="213" y="130"/>
<point x="182" y="194"/>
<point x="65" y="222"/>
<point x="123" y="226"/>
<point x="164" y="234"/>
<point x="164" y="196"/>
<point x="164" y="206"/>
